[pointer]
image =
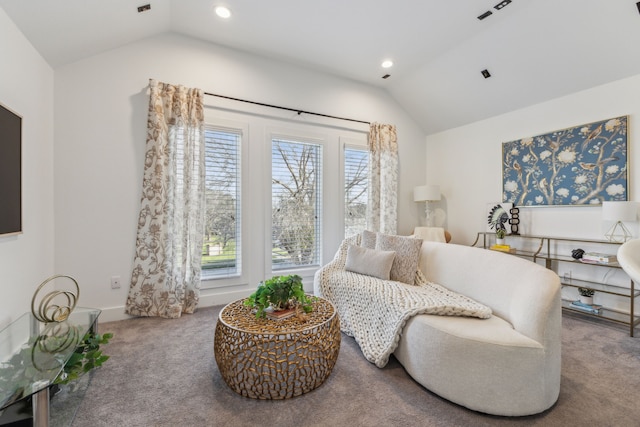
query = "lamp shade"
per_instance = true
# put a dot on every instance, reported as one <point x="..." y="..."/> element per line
<point x="426" y="193"/>
<point x="619" y="211"/>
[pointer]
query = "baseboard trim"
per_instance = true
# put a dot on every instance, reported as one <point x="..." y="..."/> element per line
<point x="113" y="314"/>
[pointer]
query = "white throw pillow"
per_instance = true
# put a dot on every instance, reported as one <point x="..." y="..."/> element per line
<point x="407" y="250"/>
<point x="369" y="261"/>
<point x="368" y="239"/>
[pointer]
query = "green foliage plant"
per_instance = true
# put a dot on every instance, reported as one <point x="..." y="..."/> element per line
<point x="280" y="293"/>
<point x="86" y="357"/>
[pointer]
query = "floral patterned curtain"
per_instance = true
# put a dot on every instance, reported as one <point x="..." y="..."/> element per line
<point x="382" y="209"/>
<point x="166" y="273"/>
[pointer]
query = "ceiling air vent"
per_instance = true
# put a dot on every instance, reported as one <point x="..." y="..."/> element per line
<point x="485" y="15"/>
<point x="501" y="4"/>
<point x="144" y="8"/>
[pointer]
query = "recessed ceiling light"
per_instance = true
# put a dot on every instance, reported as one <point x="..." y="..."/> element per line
<point x="223" y="12"/>
<point x="387" y="63"/>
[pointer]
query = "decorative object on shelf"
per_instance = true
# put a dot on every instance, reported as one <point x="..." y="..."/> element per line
<point x="577" y="253"/>
<point x="514" y="221"/>
<point x="589" y="308"/>
<point x="581" y="165"/>
<point x="502" y="248"/>
<point x="280" y="293"/>
<point x="500" y="233"/>
<point x="427" y="194"/>
<point x="586" y="295"/>
<point x="598" y="258"/>
<point x="619" y="212"/>
<point x="56" y="305"/>
<point x="498" y="216"/>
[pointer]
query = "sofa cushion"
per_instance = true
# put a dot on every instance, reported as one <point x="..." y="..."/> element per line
<point x="368" y="239"/>
<point x="369" y="261"/>
<point x="407" y="251"/>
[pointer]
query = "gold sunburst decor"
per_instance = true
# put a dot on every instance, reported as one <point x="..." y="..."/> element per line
<point x="55" y="305"/>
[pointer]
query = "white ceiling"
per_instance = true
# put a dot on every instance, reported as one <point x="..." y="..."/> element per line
<point x="535" y="50"/>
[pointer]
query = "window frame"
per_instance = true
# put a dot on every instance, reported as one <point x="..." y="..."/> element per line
<point x="347" y="143"/>
<point x="212" y="281"/>
<point x="295" y="135"/>
<point x="353" y="144"/>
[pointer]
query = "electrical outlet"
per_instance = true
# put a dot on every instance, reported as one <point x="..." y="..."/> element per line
<point x="567" y="276"/>
<point x="115" y="282"/>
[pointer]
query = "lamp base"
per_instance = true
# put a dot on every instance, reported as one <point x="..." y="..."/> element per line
<point x="618" y="233"/>
<point x="431" y="218"/>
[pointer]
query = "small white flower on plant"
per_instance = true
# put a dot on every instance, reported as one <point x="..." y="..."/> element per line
<point x="574" y="198"/>
<point x="545" y="154"/>
<point x="612" y="169"/>
<point x="581" y="179"/>
<point x="612" y="124"/>
<point x="526" y="158"/>
<point x="562" y="192"/>
<point x="510" y="186"/>
<point x="615" y="189"/>
<point x="515" y="151"/>
<point x="539" y="199"/>
<point x="567" y="156"/>
<point x="594" y="202"/>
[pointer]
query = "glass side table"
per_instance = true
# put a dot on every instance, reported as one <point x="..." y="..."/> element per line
<point x="33" y="353"/>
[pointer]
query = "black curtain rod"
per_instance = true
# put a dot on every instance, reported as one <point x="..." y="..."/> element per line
<point x="287" y="109"/>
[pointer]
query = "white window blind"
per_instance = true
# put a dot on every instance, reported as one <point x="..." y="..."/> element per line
<point x="356" y="185"/>
<point x="296" y="203"/>
<point x="221" y="256"/>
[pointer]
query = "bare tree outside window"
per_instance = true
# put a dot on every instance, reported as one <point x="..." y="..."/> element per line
<point x="356" y="185"/>
<point x="221" y="245"/>
<point x="296" y="211"/>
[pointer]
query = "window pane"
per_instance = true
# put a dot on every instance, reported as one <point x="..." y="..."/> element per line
<point x="295" y="203"/>
<point x="222" y="240"/>
<point x="356" y="185"/>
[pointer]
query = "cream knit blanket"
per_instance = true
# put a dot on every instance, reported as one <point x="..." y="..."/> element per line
<point x="374" y="311"/>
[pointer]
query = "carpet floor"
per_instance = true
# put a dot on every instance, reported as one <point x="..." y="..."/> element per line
<point x="163" y="373"/>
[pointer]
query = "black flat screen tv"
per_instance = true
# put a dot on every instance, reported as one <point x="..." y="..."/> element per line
<point x="10" y="172"/>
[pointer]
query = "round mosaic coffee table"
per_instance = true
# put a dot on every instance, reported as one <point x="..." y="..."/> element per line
<point x="276" y="359"/>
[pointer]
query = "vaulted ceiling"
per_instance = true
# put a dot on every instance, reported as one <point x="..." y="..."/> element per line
<point x="534" y="50"/>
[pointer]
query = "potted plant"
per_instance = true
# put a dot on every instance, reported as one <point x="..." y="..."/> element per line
<point x="586" y="295"/>
<point x="87" y="356"/>
<point x="280" y="293"/>
<point x="500" y="233"/>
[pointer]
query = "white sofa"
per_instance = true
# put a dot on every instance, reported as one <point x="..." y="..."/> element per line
<point x="508" y="364"/>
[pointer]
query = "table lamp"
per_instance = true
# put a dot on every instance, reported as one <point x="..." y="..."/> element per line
<point x="619" y="212"/>
<point x="427" y="193"/>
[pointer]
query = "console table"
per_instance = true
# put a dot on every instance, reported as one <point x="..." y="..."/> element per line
<point x="32" y="355"/>
<point x="276" y="359"/>
<point x="547" y="249"/>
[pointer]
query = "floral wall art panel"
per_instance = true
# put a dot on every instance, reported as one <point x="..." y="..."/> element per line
<point x="582" y="165"/>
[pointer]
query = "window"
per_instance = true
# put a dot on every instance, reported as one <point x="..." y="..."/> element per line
<point x="222" y="236"/>
<point x="296" y="196"/>
<point x="356" y="185"/>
